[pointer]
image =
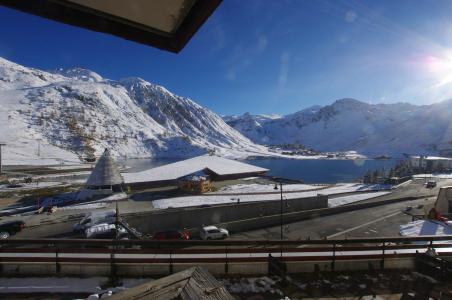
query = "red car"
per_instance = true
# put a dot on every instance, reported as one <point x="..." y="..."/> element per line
<point x="171" y="235"/>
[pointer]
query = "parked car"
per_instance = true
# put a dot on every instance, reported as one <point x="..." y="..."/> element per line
<point x="106" y="231"/>
<point x="10" y="228"/>
<point x="171" y="235"/>
<point x="431" y="184"/>
<point x="213" y="233"/>
<point x="93" y="218"/>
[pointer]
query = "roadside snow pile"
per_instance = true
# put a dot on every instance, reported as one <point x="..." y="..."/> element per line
<point x="85" y="206"/>
<point x="212" y="199"/>
<point x="29" y="186"/>
<point x="71" y="199"/>
<point x="425" y="227"/>
<point x="436" y="175"/>
<point x="353" y="198"/>
<point x="259" y="188"/>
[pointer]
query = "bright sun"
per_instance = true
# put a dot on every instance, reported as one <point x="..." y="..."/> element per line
<point x="441" y="69"/>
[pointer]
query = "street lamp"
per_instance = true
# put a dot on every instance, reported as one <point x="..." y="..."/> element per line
<point x="1" y="166"/>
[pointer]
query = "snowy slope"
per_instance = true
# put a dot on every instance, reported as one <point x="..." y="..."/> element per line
<point x="349" y="124"/>
<point x="72" y="114"/>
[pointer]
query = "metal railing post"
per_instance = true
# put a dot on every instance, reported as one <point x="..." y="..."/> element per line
<point x="112" y="259"/>
<point x="226" y="265"/>
<point x="171" y="261"/>
<point x="333" y="262"/>
<point x="57" y="263"/>
<point x="382" y="263"/>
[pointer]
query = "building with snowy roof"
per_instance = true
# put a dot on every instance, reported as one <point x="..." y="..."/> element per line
<point x="217" y="168"/>
<point x="105" y="179"/>
<point x="430" y="162"/>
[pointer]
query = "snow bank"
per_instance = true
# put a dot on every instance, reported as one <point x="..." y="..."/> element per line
<point x="212" y="199"/>
<point x="425" y="227"/>
<point x="255" y="188"/>
<point x="31" y="186"/>
<point x="353" y="198"/>
<point x="437" y="175"/>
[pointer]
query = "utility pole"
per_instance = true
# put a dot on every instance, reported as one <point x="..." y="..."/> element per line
<point x="117" y="220"/>
<point x="1" y="165"/>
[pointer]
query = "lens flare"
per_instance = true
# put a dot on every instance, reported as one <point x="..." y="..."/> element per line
<point x="440" y="68"/>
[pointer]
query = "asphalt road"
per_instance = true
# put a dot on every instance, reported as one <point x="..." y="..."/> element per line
<point x="379" y="221"/>
<point x="371" y="222"/>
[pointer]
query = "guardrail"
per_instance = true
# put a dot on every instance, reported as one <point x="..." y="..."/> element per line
<point x="113" y="256"/>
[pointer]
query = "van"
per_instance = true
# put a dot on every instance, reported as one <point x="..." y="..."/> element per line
<point x="96" y="217"/>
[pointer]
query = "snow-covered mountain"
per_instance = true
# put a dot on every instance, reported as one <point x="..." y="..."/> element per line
<point x="349" y="124"/>
<point x="75" y="113"/>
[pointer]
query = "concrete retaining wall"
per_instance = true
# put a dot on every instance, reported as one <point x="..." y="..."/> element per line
<point x="274" y="220"/>
<point x="149" y="222"/>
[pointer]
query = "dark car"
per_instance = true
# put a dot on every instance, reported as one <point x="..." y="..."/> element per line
<point x="431" y="184"/>
<point x="10" y="228"/>
<point x="171" y="235"/>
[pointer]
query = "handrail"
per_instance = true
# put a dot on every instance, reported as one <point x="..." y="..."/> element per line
<point x="182" y="243"/>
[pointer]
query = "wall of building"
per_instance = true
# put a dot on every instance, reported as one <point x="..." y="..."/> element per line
<point x="430" y="162"/>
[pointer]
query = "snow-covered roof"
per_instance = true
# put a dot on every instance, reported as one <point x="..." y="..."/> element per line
<point x="105" y="172"/>
<point x="218" y="165"/>
<point x="431" y="157"/>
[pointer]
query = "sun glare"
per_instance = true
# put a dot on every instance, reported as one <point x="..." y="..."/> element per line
<point x="440" y="68"/>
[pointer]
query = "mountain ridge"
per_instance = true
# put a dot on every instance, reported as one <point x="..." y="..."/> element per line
<point x="349" y="124"/>
<point x="75" y="113"/>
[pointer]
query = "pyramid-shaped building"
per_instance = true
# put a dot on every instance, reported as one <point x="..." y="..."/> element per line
<point x="105" y="179"/>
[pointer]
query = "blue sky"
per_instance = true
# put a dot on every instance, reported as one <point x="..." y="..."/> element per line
<point x="263" y="56"/>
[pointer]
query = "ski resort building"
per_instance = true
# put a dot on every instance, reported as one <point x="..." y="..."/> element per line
<point x="197" y="183"/>
<point x="430" y="162"/>
<point x="105" y="179"/>
<point x="216" y="168"/>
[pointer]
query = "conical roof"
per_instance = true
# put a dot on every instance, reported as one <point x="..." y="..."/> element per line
<point x="106" y="172"/>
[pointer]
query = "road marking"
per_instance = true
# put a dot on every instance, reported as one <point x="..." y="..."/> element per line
<point x="365" y="224"/>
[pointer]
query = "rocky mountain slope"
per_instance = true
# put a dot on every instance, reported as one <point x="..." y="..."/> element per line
<point x="349" y="124"/>
<point x="73" y="114"/>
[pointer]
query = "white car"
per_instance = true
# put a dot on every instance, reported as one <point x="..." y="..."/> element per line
<point x="106" y="231"/>
<point x="93" y="218"/>
<point x="213" y="233"/>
